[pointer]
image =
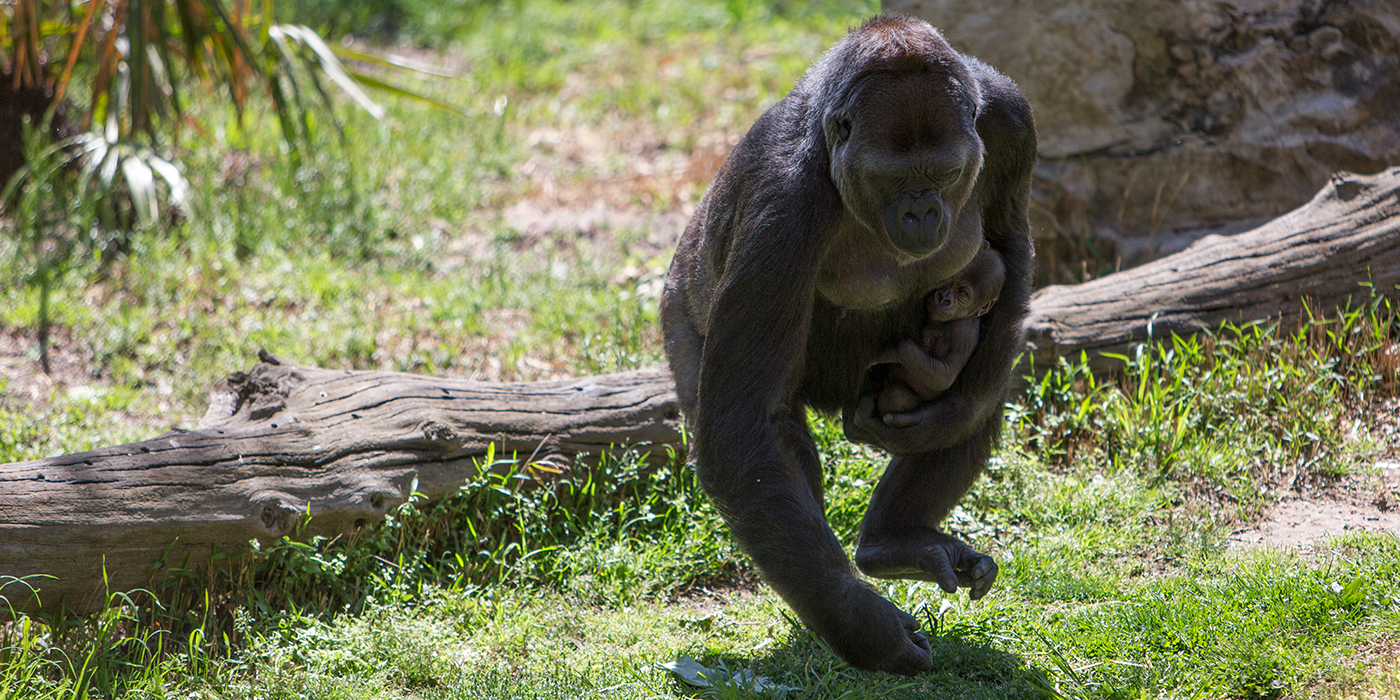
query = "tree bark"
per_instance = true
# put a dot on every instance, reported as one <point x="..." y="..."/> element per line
<point x="282" y="441"/>
<point x="1323" y="253"/>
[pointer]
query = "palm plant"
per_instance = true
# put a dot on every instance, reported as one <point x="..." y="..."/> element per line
<point x="137" y="54"/>
<point x="135" y="57"/>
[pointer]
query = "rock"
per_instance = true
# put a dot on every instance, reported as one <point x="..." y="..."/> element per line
<point x="1161" y="121"/>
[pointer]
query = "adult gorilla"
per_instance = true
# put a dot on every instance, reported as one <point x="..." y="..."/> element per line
<point x="872" y="183"/>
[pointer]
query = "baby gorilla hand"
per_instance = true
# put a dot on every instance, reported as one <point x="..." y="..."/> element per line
<point x="929" y="555"/>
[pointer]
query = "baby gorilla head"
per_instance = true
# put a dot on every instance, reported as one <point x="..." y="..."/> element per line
<point x="971" y="293"/>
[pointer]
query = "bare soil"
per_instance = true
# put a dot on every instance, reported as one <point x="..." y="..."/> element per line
<point x="21" y="375"/>
<point x="1366" y="500"/>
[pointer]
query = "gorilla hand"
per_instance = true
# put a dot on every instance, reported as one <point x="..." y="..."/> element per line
<point x="873" y="633"/>
<point x="945" y="421"/>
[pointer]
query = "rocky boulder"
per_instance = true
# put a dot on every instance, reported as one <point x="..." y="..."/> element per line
<point x="1164" y="120"/>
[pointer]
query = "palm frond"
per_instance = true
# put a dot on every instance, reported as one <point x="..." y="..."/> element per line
<point x="329" y="64"/>
<point x="139" y="53"/>
<point x="141" y="57"/>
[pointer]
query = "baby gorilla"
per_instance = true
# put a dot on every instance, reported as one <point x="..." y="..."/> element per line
<point x="921" y="371"/>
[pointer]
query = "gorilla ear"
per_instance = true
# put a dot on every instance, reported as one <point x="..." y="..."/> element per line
<point x="839" y="128"/>
<point x="974" y="91"/>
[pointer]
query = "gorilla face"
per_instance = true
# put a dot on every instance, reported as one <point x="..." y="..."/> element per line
<point x="905" y="155"/>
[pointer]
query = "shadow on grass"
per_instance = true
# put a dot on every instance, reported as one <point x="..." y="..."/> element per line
<point x="804" y="667"/>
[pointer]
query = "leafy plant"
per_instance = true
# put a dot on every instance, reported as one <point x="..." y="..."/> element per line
<point x="138" y="57"/>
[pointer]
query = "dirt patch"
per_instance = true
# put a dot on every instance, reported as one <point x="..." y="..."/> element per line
<point x="23" y="376"/>
<point x="1365" y="501"/>
<point x="1299" y="523"/>
<point x="587" y="179"/>
<point x="622" y="164"/>
<point x="663" y="229"/>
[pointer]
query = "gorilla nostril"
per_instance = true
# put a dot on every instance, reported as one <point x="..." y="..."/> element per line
<point x="911" y="219"/>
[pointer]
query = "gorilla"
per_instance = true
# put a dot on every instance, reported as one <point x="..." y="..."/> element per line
<point x="868" y="187"/>
<point x="919" y="372"/>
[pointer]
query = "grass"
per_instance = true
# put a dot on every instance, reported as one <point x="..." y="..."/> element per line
<point x="1109" y="504"/>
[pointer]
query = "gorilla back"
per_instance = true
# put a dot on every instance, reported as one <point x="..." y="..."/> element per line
<point x="872" y="183"/>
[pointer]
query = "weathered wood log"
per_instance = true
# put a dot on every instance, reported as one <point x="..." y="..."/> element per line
<point x="1322" y="252"/>
<point x="283" y="440"/>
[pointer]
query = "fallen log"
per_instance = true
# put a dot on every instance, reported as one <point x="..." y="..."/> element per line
<point x="1338" y="247"/>
<point x="282" y="441"/>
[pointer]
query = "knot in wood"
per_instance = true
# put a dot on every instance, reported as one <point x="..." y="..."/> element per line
<point x="438" y="432"/>
<point x="266" y="390"/>
<point x="1347" y="190"/>
<point x="266" y="407"/>
<point x="277" y="518"/>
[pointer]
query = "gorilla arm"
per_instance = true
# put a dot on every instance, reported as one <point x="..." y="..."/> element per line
<point x="754" y="453"/>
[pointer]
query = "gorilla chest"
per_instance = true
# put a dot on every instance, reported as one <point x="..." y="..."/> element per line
<point x="861" y="271"/>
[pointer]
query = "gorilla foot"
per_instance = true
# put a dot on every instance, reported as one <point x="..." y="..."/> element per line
<point x="870" y="632"/>
<point x="929" y="555"/>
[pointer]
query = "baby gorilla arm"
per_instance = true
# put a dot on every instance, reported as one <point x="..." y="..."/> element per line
<point x="921" y="373"/>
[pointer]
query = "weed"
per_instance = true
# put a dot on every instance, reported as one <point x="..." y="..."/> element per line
<point x="1250" y="411"/>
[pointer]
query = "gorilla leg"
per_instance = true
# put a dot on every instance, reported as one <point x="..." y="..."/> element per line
<point x="900" y="537"/>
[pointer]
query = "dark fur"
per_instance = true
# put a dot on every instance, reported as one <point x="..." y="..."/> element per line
<point x="917" y="372"/>
<point x="800" y="268"/>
